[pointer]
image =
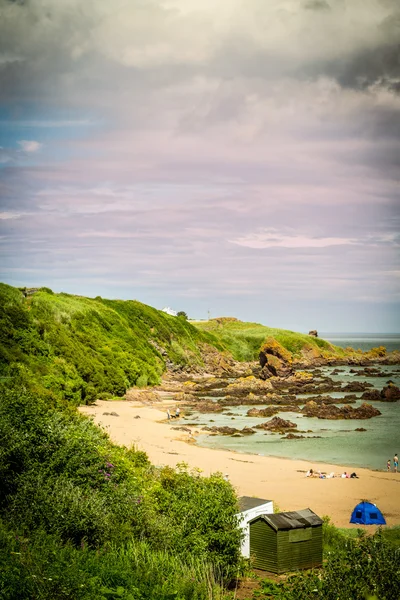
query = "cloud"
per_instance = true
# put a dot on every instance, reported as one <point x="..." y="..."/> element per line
<point x="39" y="123"/>
<point x="186" y="140"/>
<point x="272" y="238"/>
<point x="30" y="145"/>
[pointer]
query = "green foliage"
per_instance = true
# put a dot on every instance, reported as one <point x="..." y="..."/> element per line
<point x="93" y="520"/>
<point x="182" y="314"/>
<point x="359" y="568"/>
<point x="244" y="340"/>
<point x="73" y="348"/>
<point x="40" y="566"/>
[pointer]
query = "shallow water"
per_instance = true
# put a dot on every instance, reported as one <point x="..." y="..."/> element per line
<point x="339" y="442"/>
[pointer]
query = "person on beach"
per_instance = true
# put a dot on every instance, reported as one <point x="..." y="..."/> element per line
<point x="395" y="463"/>
<point x="310" y="473"/>
<point x="177" y="412"/>
<point x="388" y="466"/>
<point x="168" y="414"/>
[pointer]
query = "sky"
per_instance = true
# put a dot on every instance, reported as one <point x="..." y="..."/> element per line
<point x="232" y="158"/>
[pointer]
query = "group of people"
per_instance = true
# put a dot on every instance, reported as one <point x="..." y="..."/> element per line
<point x="173" y="416"/>
<point x="395" y="464"/>
<point x="319" y="475"/>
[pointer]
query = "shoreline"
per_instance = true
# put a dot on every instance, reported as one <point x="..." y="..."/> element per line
<point x="280" y="479"/>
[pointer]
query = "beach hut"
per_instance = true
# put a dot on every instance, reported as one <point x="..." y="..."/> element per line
<point x="286" y="541"/>
<point x="250" y="508"/>
<point x="366" y="513"/>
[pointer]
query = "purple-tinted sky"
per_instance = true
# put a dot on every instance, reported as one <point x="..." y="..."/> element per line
<point x="240" y="157"/>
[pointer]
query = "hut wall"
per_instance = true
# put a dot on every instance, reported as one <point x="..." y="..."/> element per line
<point x="263" y="546"/>
<point x="249" y="515"/>
<point x="285" y="550"/>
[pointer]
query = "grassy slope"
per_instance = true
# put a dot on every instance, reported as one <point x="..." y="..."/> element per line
<point x="79" y="347"/>
<point x="245" y="339"/>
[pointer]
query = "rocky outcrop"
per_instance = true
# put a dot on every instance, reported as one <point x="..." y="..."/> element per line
<point x="225" y="430"/>
<point x="356" y="386"/>
<point x="277" y="424"/>
<point x="313" y="333"/>
<point x="323" y="411"/>
<point x="208" y="407"/>
<point x="275" y="360"/>
<point x="390" y="393"/>
<point x="270" y="411"/>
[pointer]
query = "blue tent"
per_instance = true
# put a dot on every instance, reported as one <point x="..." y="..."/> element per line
<point x="366" y="513"/>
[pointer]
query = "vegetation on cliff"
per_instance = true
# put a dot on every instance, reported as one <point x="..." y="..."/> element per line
<point x="82" y="518"/>
<point x="79" y="349"/>
<point x="244" y="340"/>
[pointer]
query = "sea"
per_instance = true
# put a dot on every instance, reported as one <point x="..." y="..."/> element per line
<point x="335" y="442"/>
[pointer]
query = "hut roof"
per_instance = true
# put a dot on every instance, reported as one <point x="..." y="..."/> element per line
<point x="293" y="520"/>
<point x="248" y="502"/>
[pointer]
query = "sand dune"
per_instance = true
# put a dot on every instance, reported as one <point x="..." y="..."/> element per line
<point x="278" y="479"/>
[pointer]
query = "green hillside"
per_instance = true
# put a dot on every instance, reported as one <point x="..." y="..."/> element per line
<point x="80" y="348"/>
<point x="244" y="340"/>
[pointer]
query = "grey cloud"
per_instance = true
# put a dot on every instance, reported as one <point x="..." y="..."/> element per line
<point x="317" y="5"/>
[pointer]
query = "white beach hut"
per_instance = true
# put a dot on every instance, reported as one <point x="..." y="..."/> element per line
<point x="170" y="311"/>
<point x="250" y="508"/>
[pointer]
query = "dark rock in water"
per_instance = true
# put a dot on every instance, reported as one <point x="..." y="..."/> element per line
<point x="225" y="430"/>
<point x="292" y="436"/>
<point x="372" y="396"/>
<point x="360" y="429"/>
<point x="208" y="407"/>
<point x="313" y="333"/>
<point x="356" y="386"/>
<point x="365" y="411"/>
<point x="248" y="431"/>
<point x="390" y="393"/>
<point x="269" y="411"/>
<point x="277" y="424"/>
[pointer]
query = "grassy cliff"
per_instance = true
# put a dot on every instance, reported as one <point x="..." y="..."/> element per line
<point x="79" y="348"/>
<point x="244" y="340"/>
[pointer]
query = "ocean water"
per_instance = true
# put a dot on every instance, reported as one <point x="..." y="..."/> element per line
<point x="337" y="441"/>
<point x="363" y="341"/>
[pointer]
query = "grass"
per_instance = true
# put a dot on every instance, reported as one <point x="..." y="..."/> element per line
<point x="245" y="339"/>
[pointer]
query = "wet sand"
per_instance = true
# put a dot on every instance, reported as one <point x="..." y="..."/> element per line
<point x="278" y="479"/>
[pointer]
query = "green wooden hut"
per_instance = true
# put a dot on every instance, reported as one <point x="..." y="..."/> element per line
<point x="288" y="541"/>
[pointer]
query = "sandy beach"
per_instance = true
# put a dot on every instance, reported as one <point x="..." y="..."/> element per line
<point x="278" y="479"/>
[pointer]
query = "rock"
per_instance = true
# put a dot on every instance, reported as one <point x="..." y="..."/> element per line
<point x="277" y="424"/>
<point x="372" y="395"/>
<point x="360" y="429"/>
<point x="208" y="407"/>
<point x="323" y="411"/>
<point x="269" y="411"/>
<point x="248" y="431"/>
<point x="356" y="386"/>
<point x="222" y="430"/>
<point x="111" y="414"/>
<point x="275" y="360"/>
<point x="292" y="436"/>
<point x="313" y="333"/>
<point x="186" y="429"/>
<point x="390" y="393"/>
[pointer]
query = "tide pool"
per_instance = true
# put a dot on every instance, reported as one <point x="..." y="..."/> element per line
<point x="338" y="443"/>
